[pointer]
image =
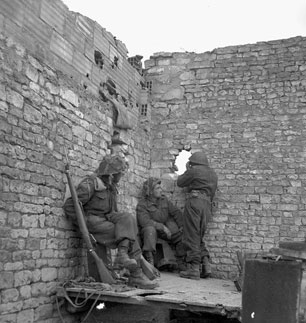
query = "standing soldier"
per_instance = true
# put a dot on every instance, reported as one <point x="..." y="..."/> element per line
<point x="201" y="182"/>
<point x="97" y="194"/>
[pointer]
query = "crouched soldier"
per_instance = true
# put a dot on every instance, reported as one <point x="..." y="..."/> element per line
<point x="157" y="217"/>
<point x="98" y="195"/>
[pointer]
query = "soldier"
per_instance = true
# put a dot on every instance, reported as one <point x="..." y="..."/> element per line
<point x="158" y="217"/>
<point x="201" y="181"/>
<point x="98" y="195"/>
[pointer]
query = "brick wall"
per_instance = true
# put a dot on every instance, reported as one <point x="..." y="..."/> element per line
<point x="46" y="58"/>
<point x="68" y="40"/>
<point x="244" y="106"/>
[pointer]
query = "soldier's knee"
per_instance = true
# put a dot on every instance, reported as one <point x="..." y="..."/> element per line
<point x="150" y="230"/>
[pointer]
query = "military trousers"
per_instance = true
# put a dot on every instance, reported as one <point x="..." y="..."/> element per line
<point x="150" y="235"/>
<point x="197" y="213"/>
<point x="111" y="229"/>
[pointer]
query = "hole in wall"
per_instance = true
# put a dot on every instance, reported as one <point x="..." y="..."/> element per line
<point x="181" y="161"/>
<point x="98" y="59"/>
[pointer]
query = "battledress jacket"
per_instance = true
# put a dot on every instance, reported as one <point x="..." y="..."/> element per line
<point x="157" y="214"/>
<point x="99" y="203"/>
<point x="201" y="178"/>
<point x="97" y="200"/>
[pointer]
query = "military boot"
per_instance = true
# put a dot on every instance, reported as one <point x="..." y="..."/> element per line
<point x="205" y="268"/>
<point x="123" y="260"/>
<point x="181" y="264"/>
<point x="139" y="280"/>
<point x="149" y="257"/>
<point x="192" y="271"/>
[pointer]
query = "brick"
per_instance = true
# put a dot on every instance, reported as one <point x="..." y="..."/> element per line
<point x="38" y="289"/>
<point x="12" y="307"/>
<point x="10" y="295"/>
<point x="26" y="316"/>
<point x="13" y="10"/>
<point x="100" y="43"/>
<point x="22" y="278"/>
<point x="53" y="14"/>
<point x="9" y="318"/>
<point x="37" y="29"/>
<point x="61" y="47"/>
<point x="6" y="280"/>
<point x="48" y="274"/>
<point x="25" y="291"/>
<point x="15" y="99"/>
<point x="70" y="96"/>
<point x="32" y="115"/>
<point x="74" y="35"/>
<point x="85" y="25"/>
<point x="82" y="64"/>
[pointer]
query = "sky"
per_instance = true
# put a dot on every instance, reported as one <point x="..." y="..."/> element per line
<point x="148" y="27"/>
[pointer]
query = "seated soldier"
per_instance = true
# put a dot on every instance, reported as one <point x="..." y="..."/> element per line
<point x="98" y="195"/>
<point x="157" y="217"/>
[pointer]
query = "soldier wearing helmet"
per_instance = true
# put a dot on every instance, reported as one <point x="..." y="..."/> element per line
<point x="157" y="217"/>
<point x="201" y="183"/>
<point x="98" y="195"/>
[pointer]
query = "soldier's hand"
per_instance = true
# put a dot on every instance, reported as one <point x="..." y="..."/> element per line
<point x="167" y="232"/>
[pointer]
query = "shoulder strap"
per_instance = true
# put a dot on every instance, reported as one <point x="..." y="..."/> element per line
<point x="99" y="185"/>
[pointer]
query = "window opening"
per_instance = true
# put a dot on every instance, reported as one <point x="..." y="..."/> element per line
<point x="115" y="62"/>
<point x="135" y="61"/>
<point x="149" y="86"/>
<point x="99" y="59"/>
<point x="144" y="110"/>
<point x="181" y="161"/>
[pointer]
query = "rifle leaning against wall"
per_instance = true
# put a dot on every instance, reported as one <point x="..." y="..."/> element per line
<point x="103" y="271"/>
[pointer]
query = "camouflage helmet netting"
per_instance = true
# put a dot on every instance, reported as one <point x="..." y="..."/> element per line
<point x="148" y="186"/>
<point x="112" y="165"/>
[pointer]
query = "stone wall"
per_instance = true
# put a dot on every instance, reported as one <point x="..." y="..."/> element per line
<point x="46" y="59"/>
<point x="245" y="106"/>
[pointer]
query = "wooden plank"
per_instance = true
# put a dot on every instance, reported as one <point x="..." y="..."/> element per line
<point x="215" y="296"/>
<point x="122" y="294"/>
<point x="298" y="246"/>
<point x="289" y="253"/>
<point x="228" y="300"/>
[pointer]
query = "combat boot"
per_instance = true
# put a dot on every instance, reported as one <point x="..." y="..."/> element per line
<point x="192" y="271"/>
<point x="181" y="264"/>
<point x="149" y="257"/>
<point x="123" y="260"/>
<point x="205" y="268"/>
<point x="139" y="280"/>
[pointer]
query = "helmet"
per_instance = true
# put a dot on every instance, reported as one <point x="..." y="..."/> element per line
<point x="148" y="186"/>
<point x="198" y="158"/>
<point x="111" y="165"/>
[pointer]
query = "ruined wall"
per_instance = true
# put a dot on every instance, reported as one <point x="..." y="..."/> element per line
<point x="46" y="53"/>
<point x="245" y="106"/>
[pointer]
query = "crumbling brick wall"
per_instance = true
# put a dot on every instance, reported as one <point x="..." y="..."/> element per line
<point x="46" y="59"/>
<point x="245" y="107"/>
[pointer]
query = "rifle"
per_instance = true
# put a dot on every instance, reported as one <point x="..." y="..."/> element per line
<point x="103" y="271"/>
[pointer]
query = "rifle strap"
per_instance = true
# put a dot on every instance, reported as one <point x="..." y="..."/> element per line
<point x="99" y="185"/>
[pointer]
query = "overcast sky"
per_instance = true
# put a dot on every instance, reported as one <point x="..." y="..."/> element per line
<point x="147" y="27"/>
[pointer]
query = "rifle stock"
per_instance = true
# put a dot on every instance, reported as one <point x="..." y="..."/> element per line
<point x="103" y="271"/>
